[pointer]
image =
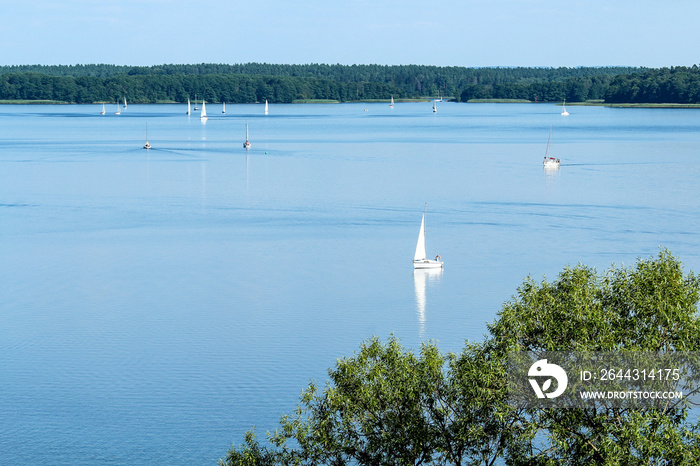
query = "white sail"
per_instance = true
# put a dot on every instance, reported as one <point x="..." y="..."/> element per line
<point x="188" y="106"/>
<point x="125" y="102"/>
<point x="434" y="107"/>
<point x="103" y="110"/>
<point x="392" y="102"/>
<point x="223" y="110"/>
<point x="246" y="144"/>
<point x="203" y="116"/>
<point x="420" y="245"/>
<point x="563" y="109"/>
<point x="266" y="107"/>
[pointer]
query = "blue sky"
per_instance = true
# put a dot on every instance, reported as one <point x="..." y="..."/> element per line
<point x="471" y="33"/>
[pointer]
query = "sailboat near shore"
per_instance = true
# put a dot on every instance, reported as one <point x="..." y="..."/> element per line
<point x="203" y="115"/>
<point x="563" y="109"/>
<point x="420" y="261"/>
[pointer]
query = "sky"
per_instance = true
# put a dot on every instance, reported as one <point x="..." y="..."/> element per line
<point x="471" y="33"/>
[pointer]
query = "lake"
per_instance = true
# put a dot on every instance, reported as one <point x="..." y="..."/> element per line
<point x="156" y="304"/>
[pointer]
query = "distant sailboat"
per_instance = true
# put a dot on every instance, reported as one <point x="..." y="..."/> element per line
<point x="563" y="108"/>
<point x="188" y="106"/>
<point x="103" y="110"/>
<point x="391" y="105"/>
<point x="246" y="144"/>
<point x="119" y="110"/>
<point x="434" y="106"/>
<point x="266" y="107"/>
<point x="223" y="110"/>
<point x="420" y="261"/>
<point x="203" y="116"/>
<point x="147" y="145"/>
<point x="125" y="102"/>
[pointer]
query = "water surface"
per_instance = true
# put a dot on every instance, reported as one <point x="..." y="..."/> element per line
<point x="156" y="304"/>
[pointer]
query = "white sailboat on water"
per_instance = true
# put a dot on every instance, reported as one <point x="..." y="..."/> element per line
<point x="119" y="110"/>
<point x="563" y="109"/>
<point x="147" y="145"/>
<point x="266" y="107"/>
<point x="203" y="115"/>
<point x="391" y="105"/>
<point x="246" y="144"/>
<point x="124" y="102"/>
<point x="550" y="163"/>
<point x="434" y="106"/>
<point x="420" y="260"/>
<point x="223" y="110"/>
<point x="188" y="106"/>
<point x="103" y="110"/>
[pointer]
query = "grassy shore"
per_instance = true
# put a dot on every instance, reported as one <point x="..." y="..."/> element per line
<point x="30" y="102"/>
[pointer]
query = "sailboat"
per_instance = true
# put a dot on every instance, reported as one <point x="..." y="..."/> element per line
<point x="246" y="144"/>
<point x="147" y="145"/>
<point x="195" y="103"/>
<point x="103" y="110"/>
<point x="563" y="109"/>
<point x="391" y="105"/>
<point x="420" y="261"/>
<point x="266" y="107"/>
<point x="434" y="106"/>
<point x="119" y="110"/>
<point x="223" y="110"/>
<point x="125" y="102"/>
<point x="550" y="163"/>
<point x="203" y="116"/>
<point x="188" y="106"/>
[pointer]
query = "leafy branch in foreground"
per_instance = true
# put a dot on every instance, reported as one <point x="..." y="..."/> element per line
<point x="387" y="405"/>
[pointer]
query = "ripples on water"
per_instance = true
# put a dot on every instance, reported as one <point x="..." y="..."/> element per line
<point x="156" y="304"/>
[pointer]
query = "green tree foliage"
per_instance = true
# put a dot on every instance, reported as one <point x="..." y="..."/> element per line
<point x="254" y="82"/>
<point x="665" y="85"/>
<point x="387" y="405"/>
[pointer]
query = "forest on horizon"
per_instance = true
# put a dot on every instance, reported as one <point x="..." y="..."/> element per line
<point x="256" y="82"/>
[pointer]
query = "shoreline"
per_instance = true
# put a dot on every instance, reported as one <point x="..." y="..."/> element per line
<point x="417" y="100"/>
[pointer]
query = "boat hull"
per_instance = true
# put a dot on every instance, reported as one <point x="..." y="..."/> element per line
<point x="427" y="264"/>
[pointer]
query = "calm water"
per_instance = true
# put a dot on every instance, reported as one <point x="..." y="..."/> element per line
<point x="156" y="304"/>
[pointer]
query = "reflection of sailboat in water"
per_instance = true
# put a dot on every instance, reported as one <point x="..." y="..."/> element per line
<point x="421" y="279"/>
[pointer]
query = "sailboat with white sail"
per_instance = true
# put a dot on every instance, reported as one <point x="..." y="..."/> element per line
<point x="147" y="145"/>
<point x="124" y="102"/>
<point x="203" y="114"/>
<point x="223" y="110"/>
<point x="391" y="105"/>
<point x="563" y="109"/>
<point x="434" y="106"/>
<point x="420" y="260"/>
<point x="103" y="110"/>
<point x="119" y="110"/>
<point x="267" y="109"/>
<point x="550" y="163"/>
<point x="188" y="106"/>
<point x="246" y="144"/>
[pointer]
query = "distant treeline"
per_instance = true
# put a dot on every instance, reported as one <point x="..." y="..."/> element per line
<point x="256" y="82"/>
<point x="678" y="85"/>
